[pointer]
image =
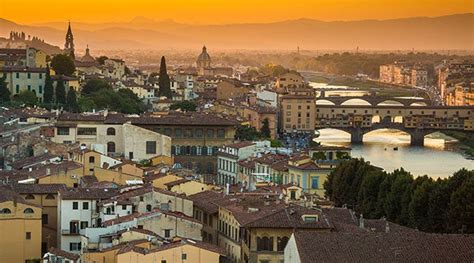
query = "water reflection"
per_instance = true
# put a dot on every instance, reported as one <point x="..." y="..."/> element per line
<point x="436" y="159"/>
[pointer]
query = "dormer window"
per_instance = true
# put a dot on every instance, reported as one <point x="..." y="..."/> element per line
<point x="29" y="197"/>
<point x="310" y="218"/>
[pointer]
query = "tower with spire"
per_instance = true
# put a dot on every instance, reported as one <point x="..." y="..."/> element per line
<point x="69" y="45"/>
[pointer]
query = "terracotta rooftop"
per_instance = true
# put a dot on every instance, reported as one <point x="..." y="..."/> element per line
<point x="39" y="188"/>
<point x="64" y="254"/>
<point x="7" y="194"/>
<point x="204" y="201"/>
<point x="270" y="158"/>
<point x="239" y="145"/>
<point x="176" y="244"/>
<point x="177" y="182"/>
<point x="383" y="247"/>
<point x="88" y="194"/>
<point x="30" y="161"/>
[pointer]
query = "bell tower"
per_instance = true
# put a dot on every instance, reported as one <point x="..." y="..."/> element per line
<point x="69" y="45"/>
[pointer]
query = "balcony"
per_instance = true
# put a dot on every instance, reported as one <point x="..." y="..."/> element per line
<point x="70" y="232"/>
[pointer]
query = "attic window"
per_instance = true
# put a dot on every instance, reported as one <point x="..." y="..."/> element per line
<point x="310" y="218"/>
<point x="29" y="197"/>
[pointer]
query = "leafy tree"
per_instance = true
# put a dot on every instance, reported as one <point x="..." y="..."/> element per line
<point x="461" y="208"/>
<point x="276" y="143"/>
<point x="48" y="95"/>
<point x="184" y="106"/>
<point x="86" y="104"/>
<point x="384" y="190"/>
<point x="94" y="85"/>
<point x="71" y="101"/>
<point x="164" y="80"/>
<point x="399" y="197"/>
<point x="319" y="156"/>
<point x="265" y="130"/>
<point x="60" y="92"/>
<point x="368" y="194"/>
<point x="4" y="91"/>
<point x="26" y="97"/>
<point x="121" y="101"/>
<point x="247" y="133"/>
<point x="102" y="59"/>
<point x="63" y="65"/>
<point x="419" y="205"/>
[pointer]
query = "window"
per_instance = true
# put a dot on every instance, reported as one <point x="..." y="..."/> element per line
<point x="210" y="133"/>
<point x="29" y="197"/>
<point x="86" y="131"/>
<point x="73" y="246"/>
<point x="198" y="133"/>
<point x="110" y="131"/>
<point x="41" y="75"/>
<point x="124" y="207"/>
<point x="91" y="159"/>
<point x="148" y="208"/>
<point x="28" y="211"/>
<point x="314" y="182"/>
<point x="17" y="75"/>
<point x="163" y="261"/>
<point x="75" y="205"/>
<point x="40" y="89"/>
<point x="29" y="75"/>
<point x="85" y="205"/>
<point x="150" y="147"/>
<point x="184" y="256"/>
<point x="84" y="224"/>
<point x="44" y="219"/>
<point x="264" y="243"/>
<point x="281" y="243"/>
<point x="220" y="133"/>
<point x="310" y="219"/>
<point x="167" y="233"/>
<point x="5" y="211"/>
<point x="178" y="132"/>
<point x="28" y="235"/>
<point x="110" y="147"/>
<point x="63" y="130"/>
<point x="17" y="88"/>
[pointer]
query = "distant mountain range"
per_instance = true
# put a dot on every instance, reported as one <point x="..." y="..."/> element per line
<point x="419" y="33"/>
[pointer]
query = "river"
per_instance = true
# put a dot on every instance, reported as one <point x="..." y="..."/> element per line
<point x="438" y="158"/>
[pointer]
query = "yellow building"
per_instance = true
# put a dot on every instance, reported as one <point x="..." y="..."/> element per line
<point x="109" y="255"/>
<point x="185" y="250"/>
<point x="160" y="180"/>
<point x="66" y="172"/>
<point x="305" y="173"/>
<point x="298" y="111"/>
<point x="45" y="196"/>
<point x="187" y="187"/>
<point x="20" y="228"/>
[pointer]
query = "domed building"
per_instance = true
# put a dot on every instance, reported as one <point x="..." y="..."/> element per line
<point x="87" y="58"/>
<point x="87" y="64"/>
<point x="204" y="60"/>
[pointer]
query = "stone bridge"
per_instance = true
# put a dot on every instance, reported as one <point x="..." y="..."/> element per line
<point x="374" y="100"/>
<point x="417" y="121"/>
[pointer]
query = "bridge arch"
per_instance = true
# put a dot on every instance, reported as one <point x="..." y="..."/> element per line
<point x="356" y="101"/>
<point x="390" y="103"/>
<point x="419" y="103"/>
<point x="324" y="102"/>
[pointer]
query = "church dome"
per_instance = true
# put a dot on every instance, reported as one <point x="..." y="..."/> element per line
<point x="204" y="56"/>
<point x="87" y="57"/>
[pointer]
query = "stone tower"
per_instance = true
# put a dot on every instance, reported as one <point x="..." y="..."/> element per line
<point x="69" y="45"/>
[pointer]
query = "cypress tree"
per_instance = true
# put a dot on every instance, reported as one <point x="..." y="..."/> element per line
<point x="265" y="130"/>
<point x="4" y="92"/>
<point x="164" y="80"/>
<point x="60" y="92"/>
<point x="71" y="101"/>
<point x="48" y="95"/>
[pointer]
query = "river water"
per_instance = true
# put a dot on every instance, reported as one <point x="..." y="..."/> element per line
<point x="438" y="158"/>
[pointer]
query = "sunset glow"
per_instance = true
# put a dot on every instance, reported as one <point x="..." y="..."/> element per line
<point x="229" y="11"/>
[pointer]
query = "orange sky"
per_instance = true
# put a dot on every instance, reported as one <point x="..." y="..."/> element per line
<point x="225" y="11"/>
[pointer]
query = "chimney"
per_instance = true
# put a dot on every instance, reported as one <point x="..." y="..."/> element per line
<point x="361" y="221"/>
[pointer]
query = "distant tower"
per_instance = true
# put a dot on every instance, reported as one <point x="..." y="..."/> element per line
<point x="357" y="50"/>
<point x="69" y="45"/>
<point x="298" y="49"/>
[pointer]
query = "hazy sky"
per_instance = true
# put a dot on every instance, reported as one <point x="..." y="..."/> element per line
<point x="225" y="11"/>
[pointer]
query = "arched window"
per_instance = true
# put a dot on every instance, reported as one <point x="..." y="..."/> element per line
<point x="29" y="197"/>
<point x="28" y="211"/>
<point x="204" y="150"/>
<point x="5" y="211"/>
<point x="148" y="208"/>
<point x="264" y="243"/>
<point x="281" y="243"/>
<point x="110" y="131"/>
<point x="50" y="196"/>
<point x="91" y="159"/>
<point x="173" y="150"/>
<point x="183" y="150"/>
<point x="110" y="147"/>
<point x="193" y="150"/>
<point x="188" y="150"/>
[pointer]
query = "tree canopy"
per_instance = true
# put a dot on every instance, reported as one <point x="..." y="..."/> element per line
<point x="63" y="65"/>
<point x="26" y="97"/>
<point x="4" y="91"/>
<point x="445" y="205"/>
<point x="184" y="106"/>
